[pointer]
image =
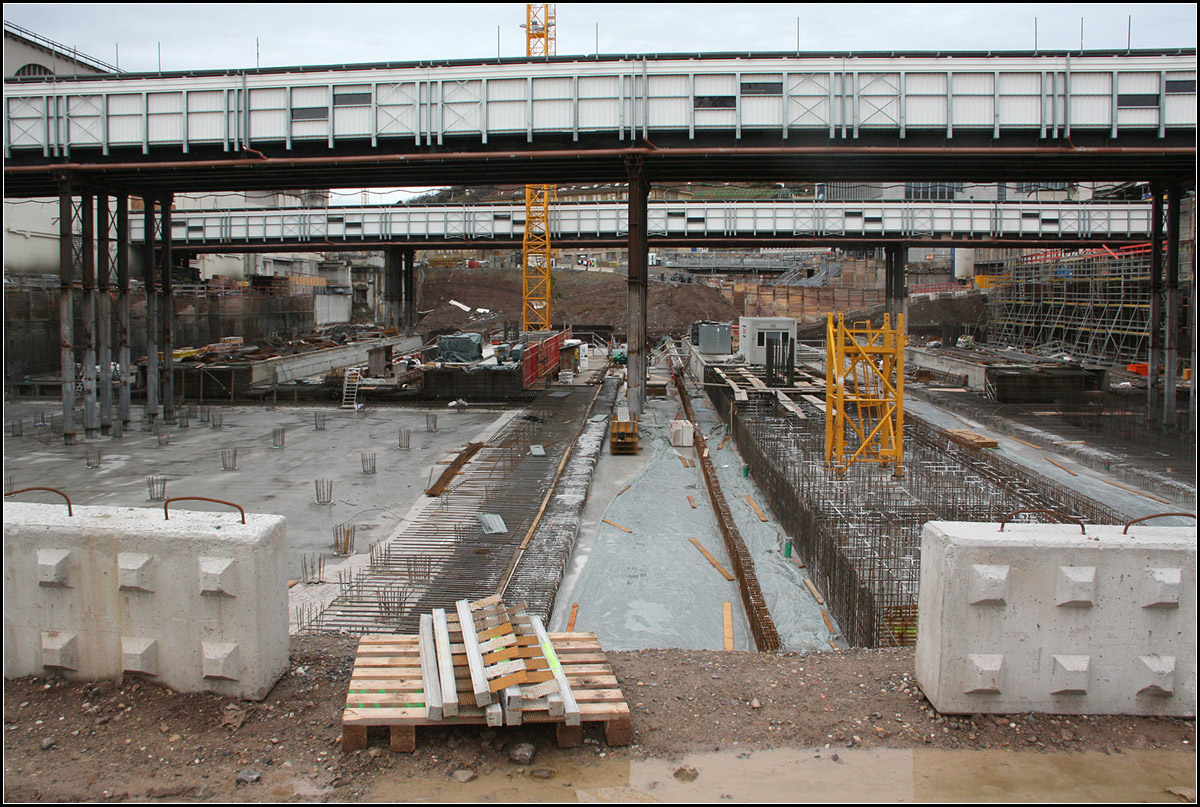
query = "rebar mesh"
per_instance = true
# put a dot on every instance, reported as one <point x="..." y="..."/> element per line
<point x="859" y="533"/>
<point x="324" y="490"/>
<point x="157" y="488"/>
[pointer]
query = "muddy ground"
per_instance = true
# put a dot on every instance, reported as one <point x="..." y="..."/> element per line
<point x="131" y="740"/>
<point x="591" y="298"/>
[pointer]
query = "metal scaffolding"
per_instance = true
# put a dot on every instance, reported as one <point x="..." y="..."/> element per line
<point x="1092" y="304"/>
<point x="864" y="393"/>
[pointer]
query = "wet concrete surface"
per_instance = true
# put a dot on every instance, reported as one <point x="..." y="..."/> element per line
<point x="267" y="479"/>
<point x="817" y="776"/>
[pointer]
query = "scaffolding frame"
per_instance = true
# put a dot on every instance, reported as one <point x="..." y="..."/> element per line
<point x="1091" y="304"/>
<point x="536" y="250"/>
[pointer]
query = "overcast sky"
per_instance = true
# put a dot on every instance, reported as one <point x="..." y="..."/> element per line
<point x="197" y="36"/>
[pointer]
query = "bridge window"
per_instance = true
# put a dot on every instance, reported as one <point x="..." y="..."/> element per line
<point x="1137" y="100"/>
<point x="715" y="102"/>
<point x="762" y="88"/>
<point x="1033" y="187"/>
<point x="352" y="99"/>
<point x="35" y="69"/>
<point x="931" y="191"/>
<point x="310" y="113"/>
<point x="1181" y="86"/>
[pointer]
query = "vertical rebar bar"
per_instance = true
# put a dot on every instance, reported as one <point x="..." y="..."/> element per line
<point x="229" y="459"/>
<point x="324" y="491"/>
<point x="277" y="437"/>
<point x="157" y="487"/>
<point x="319" y="420"/>
<point x="368" y="461"/>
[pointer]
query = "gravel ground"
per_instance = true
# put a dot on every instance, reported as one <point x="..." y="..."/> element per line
<point x="130" y="740"/>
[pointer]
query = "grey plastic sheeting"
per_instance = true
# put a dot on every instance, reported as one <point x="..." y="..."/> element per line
<point x="461" y="347"/>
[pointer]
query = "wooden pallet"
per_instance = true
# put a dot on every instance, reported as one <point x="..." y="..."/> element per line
<point x="386" y="690"/>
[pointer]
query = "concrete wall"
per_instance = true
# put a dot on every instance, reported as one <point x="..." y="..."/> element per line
<point x="1039" y="618"/>
<point x="331" y="308"/>
<point x="935" y="360"/>
<point x="196" y="603"/>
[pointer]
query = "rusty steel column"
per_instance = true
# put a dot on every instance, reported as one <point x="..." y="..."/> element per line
<point x="1171" y="353"/>
<point x="891" y="280"/>
<point x="103" y="314"/>
<point x="1154" y="401"/>
<point x="408" y="276"/>
<point x="168" y="314"/>
<point x="124" y="368"/>
<point x="639" y="192"/>
<point x="66" y="311"/>
<point x="87" y="216"/>
<point x="151" y="311"/>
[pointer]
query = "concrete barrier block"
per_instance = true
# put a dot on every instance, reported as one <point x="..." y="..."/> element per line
<point x="139" y="655"/>
<point x="60" y="650"/>
<point x="1039" y="618"/>
<point x="134" y="571"/>
<point x="199" y="602"/>
<point x="52" y="566"/>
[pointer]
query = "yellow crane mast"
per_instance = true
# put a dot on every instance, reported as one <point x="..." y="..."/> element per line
<point x="536" y="247"/>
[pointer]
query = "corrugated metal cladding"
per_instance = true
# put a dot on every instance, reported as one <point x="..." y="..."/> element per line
<point x="748" y="93"/>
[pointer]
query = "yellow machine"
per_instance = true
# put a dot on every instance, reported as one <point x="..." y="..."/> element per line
<point x="864" y="394"/>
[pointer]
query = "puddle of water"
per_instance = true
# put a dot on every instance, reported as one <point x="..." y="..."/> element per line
<point x="788" y="775"/>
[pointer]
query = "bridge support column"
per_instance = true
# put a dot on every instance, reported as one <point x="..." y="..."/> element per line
<point x="104" y="314"/>
<point x="168" y="313"/>
<point x="124" y="365"/>
<point x="408" y="274"/>
<point x="1171" y="355"/>
<point x="66" y="309"/>
<point x="1154" y="401"/>
<point x="393" y="292"/>
<point x="639" y="193"/>
<point x="87" y="217"/>
<point x="148" y="263"/>
<point x="894" y="282"/>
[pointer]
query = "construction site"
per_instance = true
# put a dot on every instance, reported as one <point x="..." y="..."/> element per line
<point x="650" y="496"/>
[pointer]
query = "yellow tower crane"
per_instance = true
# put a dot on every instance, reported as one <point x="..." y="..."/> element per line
<point x="536" y="248"/>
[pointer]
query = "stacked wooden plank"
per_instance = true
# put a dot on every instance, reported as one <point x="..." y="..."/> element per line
<point x="970" y="439"/>
<point x="502" y="669"/>
<point x="623" y="433"/>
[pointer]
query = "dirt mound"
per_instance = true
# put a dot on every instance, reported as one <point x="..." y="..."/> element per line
<point x="592" y="298"/>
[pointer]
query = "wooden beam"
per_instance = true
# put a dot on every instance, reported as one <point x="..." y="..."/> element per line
<point x="757" y="511"/>
<point x="724" y="572"/>
<point x="813" y="590"/>
<point x="429" y="669"/>
<point x="727" y="614"/>
<point x="570" y="707"/>
<point x="479" y="683"/>
<point x="1060" y="465"/>
<point x="574" y="613"/>
<point x="445" y="662"/>
<point x="615" y="524"/>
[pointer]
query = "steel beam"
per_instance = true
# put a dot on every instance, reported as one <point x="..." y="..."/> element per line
<point x="393" y="291"/>
<point x="408" y="274"/>
<point x="639" y="193"/>
<point x="66" y="309"/>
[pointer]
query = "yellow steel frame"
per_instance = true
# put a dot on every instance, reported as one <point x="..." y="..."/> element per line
<point x="536" y="251"/>
<point x="864" y="394"/>
<point x="539" y="29"/>
<point x="536" y="248"/>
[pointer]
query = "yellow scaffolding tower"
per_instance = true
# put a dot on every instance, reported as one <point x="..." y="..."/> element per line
<point x="864" y="393"/>
<point x="536" y="248"/>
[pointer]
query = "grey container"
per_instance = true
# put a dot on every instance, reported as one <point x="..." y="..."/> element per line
<point x="716" y="338"/>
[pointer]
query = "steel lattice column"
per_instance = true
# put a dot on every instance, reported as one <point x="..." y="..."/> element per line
<point x="66" y="309"/>
<point x="104" y="313"/>
<point x="536" y="253"/>
<point x="123" y="331"/>
<point x="87" y="216"/>
<point x="168" y="313"/>
<point x="639" y="193"/>
<point x="1171" y="355"/>
<point x="148" y="264"/>
<point x="1156" y="272"/>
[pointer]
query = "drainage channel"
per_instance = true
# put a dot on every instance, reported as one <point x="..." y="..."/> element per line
<point x="461" y="542"/>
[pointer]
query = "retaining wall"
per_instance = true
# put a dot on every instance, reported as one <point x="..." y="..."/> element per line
<point x="1041" y="618"/>
<point x="196" y="603"/>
